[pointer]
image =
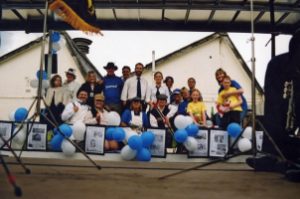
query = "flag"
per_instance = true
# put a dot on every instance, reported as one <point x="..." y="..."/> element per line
<point x="79" y="14"/>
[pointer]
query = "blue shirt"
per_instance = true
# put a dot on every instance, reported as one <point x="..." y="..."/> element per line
<point x="126" y="118"/>
<point x="112" y="90"/>
<point x="182" y="107"/>
<point x="237" y="86"/>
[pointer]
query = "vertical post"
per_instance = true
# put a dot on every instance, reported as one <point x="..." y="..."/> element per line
<point x="253" y="93"/>
<point x="273" y="35"/>
<point x="42" y="61"/>
<point x="49" y="60"/>
<point x="153" y="62"/>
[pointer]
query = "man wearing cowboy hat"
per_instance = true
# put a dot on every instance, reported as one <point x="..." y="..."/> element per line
<point x="112" y="88"/>
<point x="70" y="86"/>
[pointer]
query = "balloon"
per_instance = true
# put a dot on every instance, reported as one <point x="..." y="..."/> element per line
<point x="129" y="133"/>
<point x="65" y="129"/>
<point x="109" y="133"/>
<point x="179" y="122"/>
<point x="188" y="120"/>
<point x="118" y="134"/>
<point x="190" y="144"/>
<point x="44" y="75"/>
<point x="180" y="135"/>
<point x="143" y="155"/>
<point x="67" y="148"/>
<point x="21" y="114"/>
<point x="45" y="83"/>
<point x="113" y="118"/>
<point x="34" y="83"/>
<point x="147" y="138"/>
<point x="234" y="129"/>
<point x="209" y="123"/>
<point x="127" y="153"/>
<point x="247" y="133"/>
<point x="12" y="115"/>
<point x="55" y="36"/>
<point x="79" y="130"/>
<point x="192" y="129"/>
<point x="56" y="47"/>
<point x="244" y="145"/>
<point x="135" y="142"/>
<point x="21" y="135"/>
<point x="56" y="142"/>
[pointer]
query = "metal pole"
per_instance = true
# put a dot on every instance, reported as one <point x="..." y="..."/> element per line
<point x="49" y="60"/>
<point x="273" y="35"/>
<point x="42" y="61"/>
<point x="253" y="94"/>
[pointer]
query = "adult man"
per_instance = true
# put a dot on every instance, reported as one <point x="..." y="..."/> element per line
<point x="282" y="113"/>
<point x="98" y="114"/>
<point x="70" y="86"/>
<point x="76" y="110"/>
<point x="126" y="73"/>
<point x="112" y="88"/>
<point x="136" y="86"/>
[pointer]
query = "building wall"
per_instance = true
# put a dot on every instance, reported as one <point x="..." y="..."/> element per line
<point x="201" y="62"/>
<point x="17" y="72"/>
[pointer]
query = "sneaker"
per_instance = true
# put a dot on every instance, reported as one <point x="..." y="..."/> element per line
<point x="265" y="163"/>
<point x="293" y="175"/>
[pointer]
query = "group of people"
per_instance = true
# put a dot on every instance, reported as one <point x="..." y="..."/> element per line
<point x="139" y="104"/>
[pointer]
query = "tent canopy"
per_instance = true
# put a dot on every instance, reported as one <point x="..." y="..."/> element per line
<point x="170" y="15"/>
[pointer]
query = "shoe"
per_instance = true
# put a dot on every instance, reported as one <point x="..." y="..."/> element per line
<point x="293" y="175"/>
<point x="265" y="163"/>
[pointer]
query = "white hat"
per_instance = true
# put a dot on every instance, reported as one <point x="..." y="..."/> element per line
<point x="71" y="71"/>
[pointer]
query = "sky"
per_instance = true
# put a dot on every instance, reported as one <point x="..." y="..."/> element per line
<point x="130" y="47"/>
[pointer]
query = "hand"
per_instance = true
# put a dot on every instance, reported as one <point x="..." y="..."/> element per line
<point x="98" y="118"/>
<point x="75" y="108"/>
<point x="167" y="121"/>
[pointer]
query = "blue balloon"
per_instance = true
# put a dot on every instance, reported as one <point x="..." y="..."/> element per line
<point x="66" y="130"/>
<point x="143" y="155"/>
<point x="135" y="142"/>
<point x="180" y="135"/>
<point x="21" y="114"/>
<point x="44" y="75"/>
<point x="56" y="142"/>
<point x="192" y="130"/>
<point x="109" y="133"/>
<point x="147" y="138"/>
<point x="55" y="36"/>
<point x="234" y="129"/>
<point x="118" y="134"/>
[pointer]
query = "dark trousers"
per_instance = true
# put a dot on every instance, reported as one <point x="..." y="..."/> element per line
<point x="229" y="117"/>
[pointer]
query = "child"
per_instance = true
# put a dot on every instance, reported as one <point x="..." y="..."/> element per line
<point x="196" y="108"/>
<point x="229" y="105"/>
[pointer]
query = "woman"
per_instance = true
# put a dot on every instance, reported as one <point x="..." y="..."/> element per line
<point x="92" y="87"/>
<point x="135" y="117"/>
<point x="55" y="98"/>
<point x="169" y="81"/>
<point x="158" y="89"/>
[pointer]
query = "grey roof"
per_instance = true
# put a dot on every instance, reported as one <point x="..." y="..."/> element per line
<point x="83" y="63"/>
<point x="270" y="16"/>
<point x="225" y="38"/>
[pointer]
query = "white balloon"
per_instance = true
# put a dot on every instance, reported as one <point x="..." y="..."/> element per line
<point x="190" y="144"/>
<point x="129" y="133"/>
<point x="247" y="133"/>
<point x="209" y="123"/>
<point x="79" y="130"/>
<point x="244" y="144"/>
<point x="113" y="118"/>
<point x="56" y="46"/>
<point x="12" y="115"/>
<point x="34" y="83"/>
<point x="21" y="135"/>
<point x="180" y="122"/>
<point x="67" y="148"/>
<point x="188" y="121"/>
<point x="45" y="83"/>
<point x="127" y="153"/>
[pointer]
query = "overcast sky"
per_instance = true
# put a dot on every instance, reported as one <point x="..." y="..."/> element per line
<point x="130" y="47"/>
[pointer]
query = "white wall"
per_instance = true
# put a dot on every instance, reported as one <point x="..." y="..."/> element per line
<point x="16" y="74"/>
<point x="201" y="62"/>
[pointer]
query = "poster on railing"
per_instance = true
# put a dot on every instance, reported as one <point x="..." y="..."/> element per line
<point x="259" y="140"/>
<point x="202" y="145"/>
<point x="37" y="136"/>
<point x="5" y="132"/>
<point x="158" y="148"/>
<point x="218" y="143"/>
<point x="94" y="139"/>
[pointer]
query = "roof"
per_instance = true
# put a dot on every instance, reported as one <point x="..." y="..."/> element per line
<point x="225" y="38"/>
<point x="83" y="63"/>
<point x="270" y="16"/>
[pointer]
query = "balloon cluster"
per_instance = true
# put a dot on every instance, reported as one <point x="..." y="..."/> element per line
<point x="59" y="142"/>
<point x="34" y="83"/>
<point x="55" y="37"/>
<point x="138" y="146"/>
<point x="244" y="144"/>
<point x="186" y="132"/>
<point x="19" y="115"/>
